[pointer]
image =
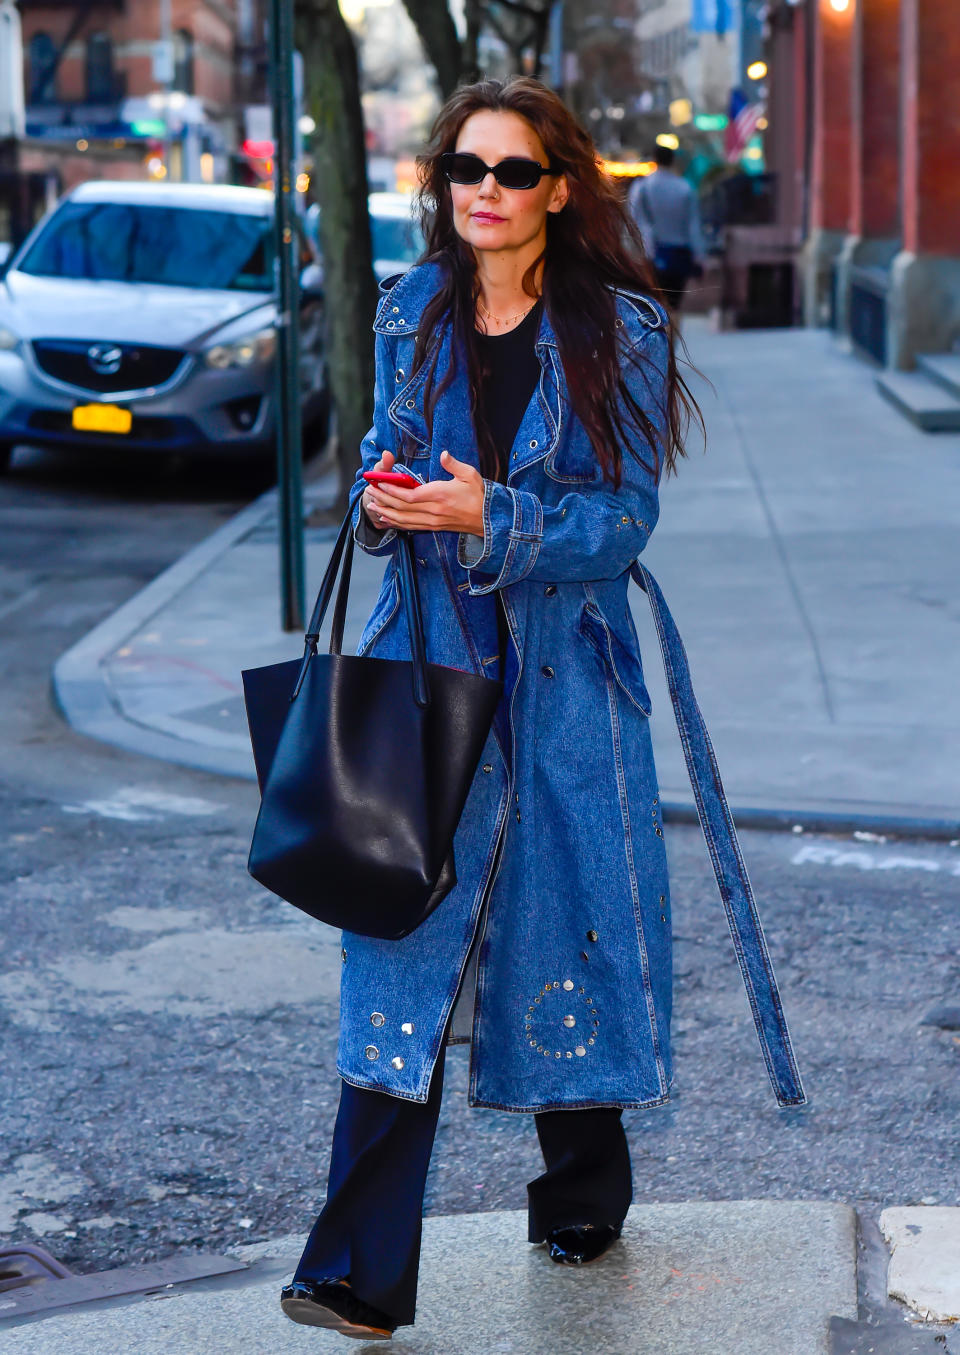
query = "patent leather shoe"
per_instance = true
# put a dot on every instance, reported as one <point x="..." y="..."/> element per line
<point x="333" y="1304"/>
<point x="580" y="1245"/>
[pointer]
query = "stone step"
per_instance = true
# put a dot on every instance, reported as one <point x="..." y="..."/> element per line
<point x="741" y="1277"/>
<point x="924" y="401"/>
<point x="944" y="368"/>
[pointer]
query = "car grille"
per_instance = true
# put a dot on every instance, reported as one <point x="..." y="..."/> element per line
<point x="101" y="366"/>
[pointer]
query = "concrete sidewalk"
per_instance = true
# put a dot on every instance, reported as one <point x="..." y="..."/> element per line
<point x="811" y="560"/>
<point x="747" y="1277"/>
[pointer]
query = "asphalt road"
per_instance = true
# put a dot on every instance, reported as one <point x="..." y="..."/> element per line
<point x="168" y="1029"/>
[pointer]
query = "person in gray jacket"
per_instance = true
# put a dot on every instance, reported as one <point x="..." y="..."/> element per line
<point x="666" y="210"/>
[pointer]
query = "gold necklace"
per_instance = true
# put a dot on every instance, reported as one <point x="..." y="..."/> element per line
<point x="508" y="319"/>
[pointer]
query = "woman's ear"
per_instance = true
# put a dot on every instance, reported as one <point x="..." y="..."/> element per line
<point x="561" y="192"/>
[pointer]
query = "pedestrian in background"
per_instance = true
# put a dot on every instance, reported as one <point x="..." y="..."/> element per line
<point x="666" y="210"/>
<point x="526" y="379"/>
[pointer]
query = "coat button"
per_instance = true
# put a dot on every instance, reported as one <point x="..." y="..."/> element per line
<point x="372" y="1052"/>
<point x="547" y="671"/>
<point x="550" y="590"/>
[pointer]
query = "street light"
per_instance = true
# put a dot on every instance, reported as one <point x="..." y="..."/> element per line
<point x="757" y="69"/>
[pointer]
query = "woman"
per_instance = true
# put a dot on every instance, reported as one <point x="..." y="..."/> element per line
<point x="526" y="379"/>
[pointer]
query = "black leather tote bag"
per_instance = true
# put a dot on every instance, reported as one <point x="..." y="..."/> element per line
<point x="364" y="767"/>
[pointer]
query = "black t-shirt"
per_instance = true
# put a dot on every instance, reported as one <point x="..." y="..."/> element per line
<point x="511" y="373"/>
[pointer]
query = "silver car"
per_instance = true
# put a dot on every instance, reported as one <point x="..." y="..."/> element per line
<point x="142" y="315"/>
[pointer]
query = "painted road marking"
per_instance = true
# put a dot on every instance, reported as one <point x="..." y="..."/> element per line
<point x="821" y="854"/>
<point x="135" y="804"/>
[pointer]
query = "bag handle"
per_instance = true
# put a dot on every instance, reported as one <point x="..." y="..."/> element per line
<point x="410" y="592"/>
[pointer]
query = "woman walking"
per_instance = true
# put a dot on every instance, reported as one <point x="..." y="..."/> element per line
<point x="527" y="380"/>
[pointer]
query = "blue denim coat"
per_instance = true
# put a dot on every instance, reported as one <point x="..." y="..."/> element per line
<point x="558" y="930"/>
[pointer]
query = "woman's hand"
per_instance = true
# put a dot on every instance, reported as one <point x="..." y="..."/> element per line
<point x="454" y="505"/>
<point x="367" y="499"/>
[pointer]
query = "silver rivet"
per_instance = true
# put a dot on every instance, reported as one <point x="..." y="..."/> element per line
<point x="569" y="1021"/>
<point x="401" y="322"/>
<point x="558" y="1054"/>
<point x="488" y="767"/>
<point x="397" y="1062"/>
<point x="391" y="324"/>
<point x="592" y="935"/>
<point x="580" y="1051"/>
<point x="372" y="1052"/>
<point x="377" y="1018"/>
<point x="581" y="990"/>
<point x="538" y="999"/>
<point x="396" y="310"/>
<point x="546" y="1053"/>
<point x="556" y="983"/>
<point x="584" y="956"/>
<point x="533" y="1042"/>
<point x="533" y="443"/>
<point x="593" y="1011"/>
<point x="410" y="404"/>
<point x="343" y="955"/>
<point x="399" y="376"/>
<point x="624" y="519"/>
<point x="569" y="1055"/>
<point x="618" y="323"/>
<point x="407" y="1027"/>
<point x="590" y="1041"/>
<point x="568" y="984"/>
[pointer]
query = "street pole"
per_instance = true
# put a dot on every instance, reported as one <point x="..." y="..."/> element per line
<point x="287" y="361"/>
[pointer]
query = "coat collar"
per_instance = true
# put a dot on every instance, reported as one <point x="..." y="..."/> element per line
<point x="404" y="299"/>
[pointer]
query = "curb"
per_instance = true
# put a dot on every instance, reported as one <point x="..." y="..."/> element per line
<point x="82" y="694"/>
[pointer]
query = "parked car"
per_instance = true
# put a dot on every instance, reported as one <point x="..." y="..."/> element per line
<point x="143" y="315"/>
<point x="395" y="232"/>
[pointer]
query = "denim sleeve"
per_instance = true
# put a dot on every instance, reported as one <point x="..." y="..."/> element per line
<point x="592" y="533"/>
<point x="381" y="437"/>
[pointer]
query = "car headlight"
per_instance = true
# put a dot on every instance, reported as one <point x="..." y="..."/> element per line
<point x="8" y="340"/>
<point x="243" y="352"/>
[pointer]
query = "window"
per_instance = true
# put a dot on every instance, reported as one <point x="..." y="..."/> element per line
<point x="183" y="61"/>
<point x="101" y="85"/>
<point x="41" y="79"/>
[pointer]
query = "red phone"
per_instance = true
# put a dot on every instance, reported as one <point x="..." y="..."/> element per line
<point x="390" y="477"/>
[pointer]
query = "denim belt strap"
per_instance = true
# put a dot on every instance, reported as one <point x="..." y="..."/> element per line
<point x="721" y="839"/>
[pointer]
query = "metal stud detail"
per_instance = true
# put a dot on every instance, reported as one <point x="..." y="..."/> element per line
<point x="533" y="444"/>
<point x="410" y="404"/>
<point x="488" y="767"/>
<point x="396" y="310"/>
<point x="343" y="955"/>
<point x="568" y="985"/>
<point x="569" y="1021"/>
<point x="407" y="1027"/>
<point x="592" y="935"/>
<point x="397" y="1063"/>
<point x="580" y="1051"/>
<point x="377" y="1018"/>
<point x="372" y="1052"/>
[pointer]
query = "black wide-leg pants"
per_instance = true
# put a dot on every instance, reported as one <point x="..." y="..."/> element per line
<point x="369" y="1229"/>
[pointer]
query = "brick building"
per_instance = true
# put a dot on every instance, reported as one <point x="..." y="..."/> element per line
<point x="865" y="139"/>
<point x="107" y="96"/>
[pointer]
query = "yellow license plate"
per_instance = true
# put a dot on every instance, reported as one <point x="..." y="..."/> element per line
<point x="102" y="419"/>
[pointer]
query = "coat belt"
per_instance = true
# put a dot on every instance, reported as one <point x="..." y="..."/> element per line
<point x="720" y="834"/>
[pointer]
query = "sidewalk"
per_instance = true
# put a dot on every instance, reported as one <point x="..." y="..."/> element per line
<point x="811" y="560"/>
<point x="749" y="1277"/>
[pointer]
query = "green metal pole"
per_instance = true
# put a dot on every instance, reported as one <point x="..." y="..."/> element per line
<point x="289" y="433"/>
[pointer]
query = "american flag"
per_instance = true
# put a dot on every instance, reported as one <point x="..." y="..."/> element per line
<point x="740" y="128"/>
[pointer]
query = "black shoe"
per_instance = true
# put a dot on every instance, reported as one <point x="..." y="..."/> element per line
<point x="333" y="1304"/>
<point x="579" y="1245"/>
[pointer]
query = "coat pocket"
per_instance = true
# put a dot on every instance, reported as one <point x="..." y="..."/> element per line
<point x="622" y="662"/>
<point x="384" y="609"/>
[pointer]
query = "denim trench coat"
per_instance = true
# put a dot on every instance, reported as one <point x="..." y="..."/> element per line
<point x="557" y="933"/>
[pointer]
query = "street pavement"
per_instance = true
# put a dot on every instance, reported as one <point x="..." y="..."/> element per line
<point x="810" y="558"/>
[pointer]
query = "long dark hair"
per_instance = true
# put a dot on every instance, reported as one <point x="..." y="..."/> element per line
<point x="592" y="246"/>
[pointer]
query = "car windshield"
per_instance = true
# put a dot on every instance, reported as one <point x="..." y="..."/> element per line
<point x="176" y="246"/>
<point x="396" y="238"/>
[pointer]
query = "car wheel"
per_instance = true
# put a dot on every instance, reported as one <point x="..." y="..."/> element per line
<point x="6" y="456"/>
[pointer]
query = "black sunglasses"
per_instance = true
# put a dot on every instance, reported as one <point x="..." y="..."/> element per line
<point x="515" y="172"/>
